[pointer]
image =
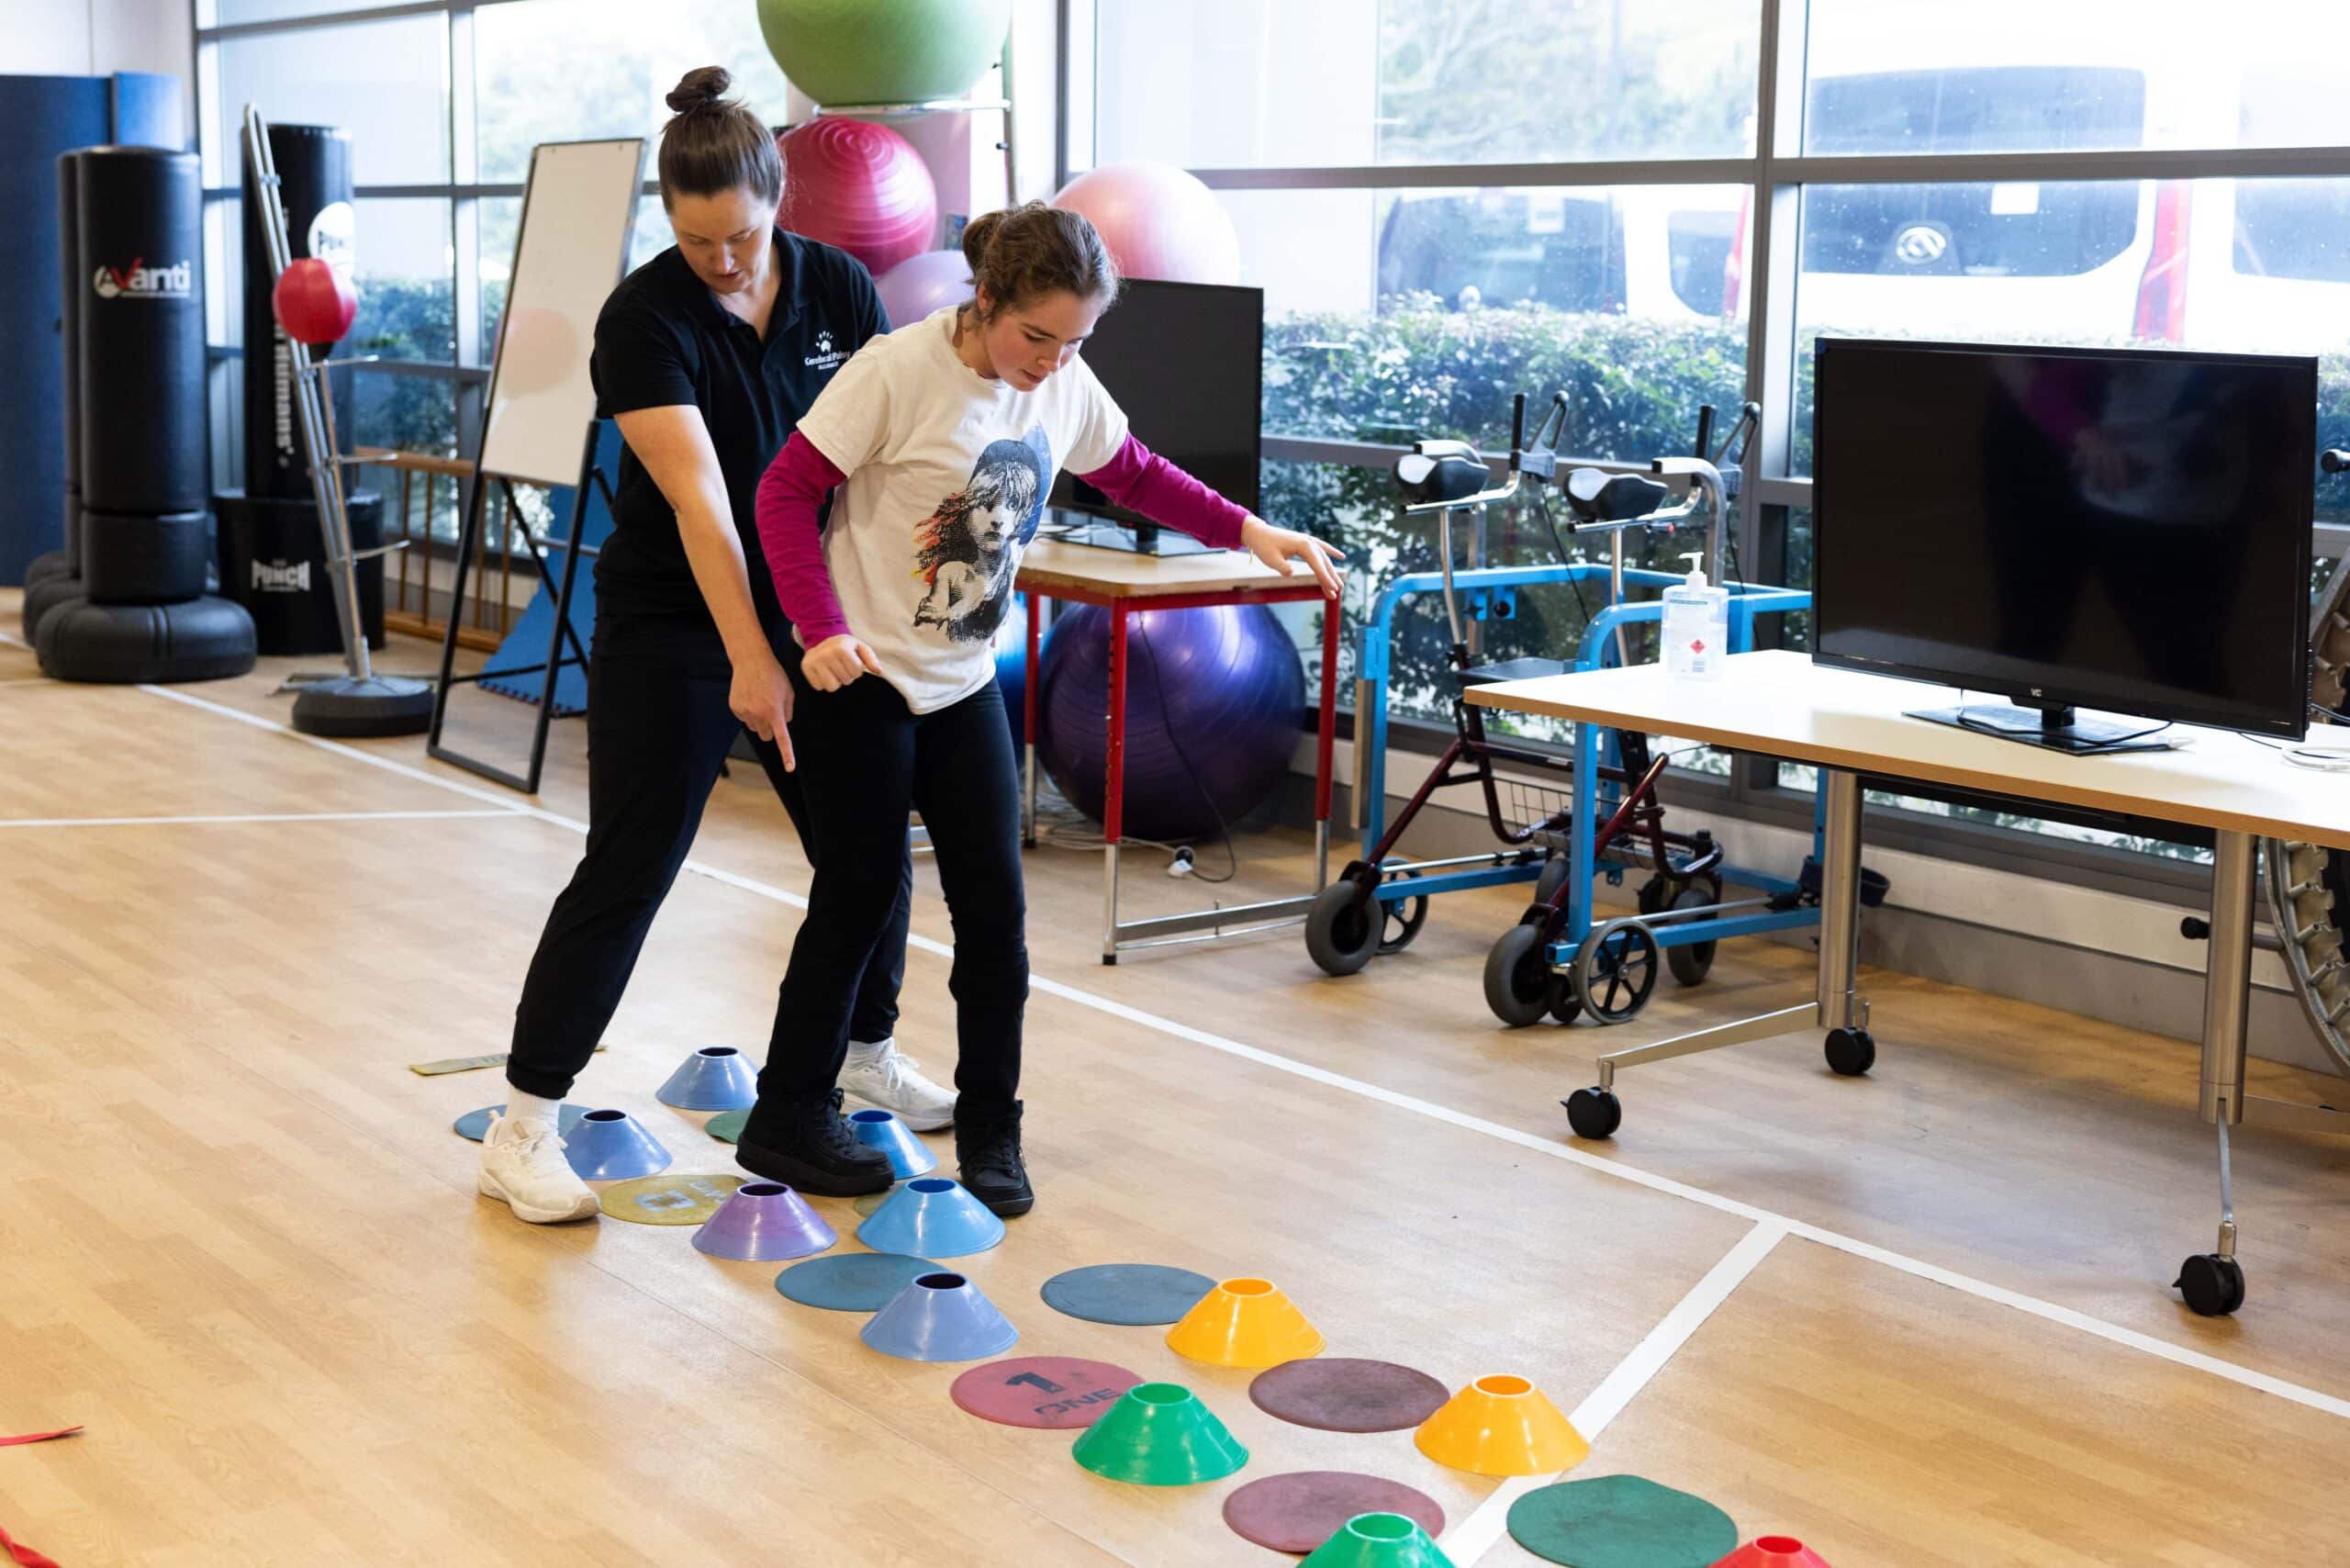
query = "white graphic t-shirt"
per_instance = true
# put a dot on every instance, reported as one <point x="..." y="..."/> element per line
<point x="947" y="476"/>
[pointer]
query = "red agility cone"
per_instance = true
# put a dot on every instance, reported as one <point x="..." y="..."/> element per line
<point x="1774" y="1552"/>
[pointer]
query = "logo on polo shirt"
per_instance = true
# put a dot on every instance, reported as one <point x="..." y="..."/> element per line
<point x="826" y="356"/>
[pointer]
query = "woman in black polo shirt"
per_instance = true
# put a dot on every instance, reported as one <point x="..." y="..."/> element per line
<point x="706" y="356"/>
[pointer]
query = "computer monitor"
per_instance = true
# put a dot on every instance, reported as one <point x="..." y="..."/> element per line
<point x="1186" y="363"/>
<point x="2119" y="530"/>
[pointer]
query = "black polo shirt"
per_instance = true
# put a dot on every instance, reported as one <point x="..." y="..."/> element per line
<point x="663" y="338"/>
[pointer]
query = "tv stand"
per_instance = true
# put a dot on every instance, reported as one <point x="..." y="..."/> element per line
<point x="2059" y="727"/>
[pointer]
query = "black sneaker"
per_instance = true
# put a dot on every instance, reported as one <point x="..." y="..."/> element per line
<point x="987" y="1146"/>
<point x="807" y="1146"/>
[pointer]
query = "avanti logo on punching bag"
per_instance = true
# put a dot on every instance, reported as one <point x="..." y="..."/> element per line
<point x="139" y="281"/>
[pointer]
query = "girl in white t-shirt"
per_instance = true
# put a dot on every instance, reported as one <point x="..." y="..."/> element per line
<point x="938" y="445"/>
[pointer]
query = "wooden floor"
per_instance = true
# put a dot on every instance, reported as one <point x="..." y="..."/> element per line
<point x="239" y="1242"/>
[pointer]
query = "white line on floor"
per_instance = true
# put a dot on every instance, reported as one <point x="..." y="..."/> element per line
<point x="257" y="817"/>
<point x="2049" y="1312"/>
<point x="1470" y="1538"/>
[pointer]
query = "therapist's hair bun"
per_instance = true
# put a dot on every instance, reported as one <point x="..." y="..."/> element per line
<point x="699" y="89"/>
<point x="716" y="144"/>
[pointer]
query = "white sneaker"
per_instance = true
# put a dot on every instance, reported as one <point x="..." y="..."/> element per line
<point x="522" y="1166"/>
<point x="878" y="1075"/>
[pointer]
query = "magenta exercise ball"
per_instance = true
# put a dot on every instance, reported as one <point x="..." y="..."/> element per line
<point x="1159" y="221"/>
<point x="861" y="186"/>
<point x="920" y="284"/>
<point x="1215" y="702"/>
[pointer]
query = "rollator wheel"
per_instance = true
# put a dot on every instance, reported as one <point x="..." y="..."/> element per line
<point x="1565" y="1007"/>
<point x="1518" y="977"/>
<point x="1851" y="1051"/>
<point x="1554" y="874"/>
<point x="1614" y="972"/>
<point x="2212" y="1285"/>
<point x="1594" y="1112"/>
<point x="1400" y="922"/>
<point x="1342" y="928"/>
<point x="1690" y="962"/>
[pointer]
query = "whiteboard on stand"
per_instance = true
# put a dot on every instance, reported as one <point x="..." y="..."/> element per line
<point x="578" y="212"/>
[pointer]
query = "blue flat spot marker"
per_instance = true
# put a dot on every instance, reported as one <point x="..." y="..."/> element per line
<point x="852" y="1282"/>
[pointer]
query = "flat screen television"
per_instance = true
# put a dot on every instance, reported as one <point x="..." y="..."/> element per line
<point x="2124" y="530"/>
<point x="1186" y="363"/>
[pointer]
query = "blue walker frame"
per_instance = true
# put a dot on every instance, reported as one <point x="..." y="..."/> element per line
<point x="1489" y="594"/>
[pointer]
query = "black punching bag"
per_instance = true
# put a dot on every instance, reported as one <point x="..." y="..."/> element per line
<point x="142" y="333"/>
<point x="314" y="181"/>
<point x="145" y="546"/>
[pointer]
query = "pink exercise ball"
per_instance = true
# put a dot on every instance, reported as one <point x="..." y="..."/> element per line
<point x="1159" y="221"/>
<point x="861" y="186"/>
<point x="920" y="284"/>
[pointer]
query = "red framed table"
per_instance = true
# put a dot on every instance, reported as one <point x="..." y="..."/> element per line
<point x="1121" y="583"/>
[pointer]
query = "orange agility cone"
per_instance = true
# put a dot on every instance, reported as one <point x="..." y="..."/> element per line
<point x="1774" y="1552"/>
<point x="1501" y="1426"/>
<point x="1244" y="1323"/>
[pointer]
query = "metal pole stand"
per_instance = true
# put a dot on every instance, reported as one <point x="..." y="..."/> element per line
<point x="359" y="702"/>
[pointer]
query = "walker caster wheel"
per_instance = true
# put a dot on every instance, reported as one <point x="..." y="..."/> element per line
<point x="2212" y="1285"/>
<point x="1566" y="1005"/>
<point x="1554" y="875"/>
<point x="1518" y="977"/>
<point x="1614" y="972"/>
<point x="1851" y="1051"/>
<point x="1400" y="921"/>
<point x="1342" y="929"/>
<point x="1594" y="1112"/>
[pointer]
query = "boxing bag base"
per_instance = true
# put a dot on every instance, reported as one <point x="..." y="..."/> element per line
<point x="202" y="639"/>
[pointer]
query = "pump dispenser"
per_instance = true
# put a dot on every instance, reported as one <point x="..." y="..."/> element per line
<point x="1696" y="625"/>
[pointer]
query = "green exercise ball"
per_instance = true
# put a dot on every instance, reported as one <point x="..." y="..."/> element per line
<point x="884" y="51"/>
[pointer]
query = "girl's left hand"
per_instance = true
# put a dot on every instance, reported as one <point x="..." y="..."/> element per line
<point x="1277" y="547"/>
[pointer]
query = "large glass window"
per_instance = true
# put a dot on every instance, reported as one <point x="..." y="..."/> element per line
<point x="1239" y="83"/>
<point x="577" y="69"/>
<point x="2253" y="265"/>
<point x="385" y="82"/>
<point x="2083" y="76"/>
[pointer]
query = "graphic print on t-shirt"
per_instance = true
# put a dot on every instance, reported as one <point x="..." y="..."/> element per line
<point x="968" y="549"/>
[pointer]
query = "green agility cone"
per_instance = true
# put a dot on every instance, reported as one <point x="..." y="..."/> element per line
<point x="1158" y="1434"/>
<point x="1378" y="1540"/>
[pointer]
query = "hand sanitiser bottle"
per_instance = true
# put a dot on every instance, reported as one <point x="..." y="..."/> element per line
<point x="1696" y="625"/>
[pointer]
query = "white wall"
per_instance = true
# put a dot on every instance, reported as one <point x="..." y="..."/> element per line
<point x="97" y="38"/>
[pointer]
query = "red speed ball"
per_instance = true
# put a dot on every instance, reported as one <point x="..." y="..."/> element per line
<point x="313" y="303"/>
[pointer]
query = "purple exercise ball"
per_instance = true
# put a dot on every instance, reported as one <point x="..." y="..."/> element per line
<point x="1216" y="701"/>
<point x="920" y="284"/>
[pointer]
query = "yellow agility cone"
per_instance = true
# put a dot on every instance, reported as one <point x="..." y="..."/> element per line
<point x="1244" y="1323"/>
<point x="1501" y="1426"/>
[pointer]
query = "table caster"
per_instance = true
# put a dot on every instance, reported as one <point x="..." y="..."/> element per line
<point x="2212" y="1285"/>
<point x="1594" y="1112"/>
<point x="1851" y="1051"/>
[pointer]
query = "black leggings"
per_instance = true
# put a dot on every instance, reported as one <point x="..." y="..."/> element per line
<point x="659" y="728"/>
<point x="865" y="761"/>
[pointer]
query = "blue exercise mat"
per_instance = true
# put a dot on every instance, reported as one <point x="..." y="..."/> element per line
<point x="526" y="644"/>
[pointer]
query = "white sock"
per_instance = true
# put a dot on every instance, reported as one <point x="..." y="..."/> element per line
<point x="520" y="1107"/>
<point x="862" y="1053"/>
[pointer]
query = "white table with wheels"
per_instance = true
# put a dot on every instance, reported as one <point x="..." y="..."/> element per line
<point x="1851" y="724"/>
